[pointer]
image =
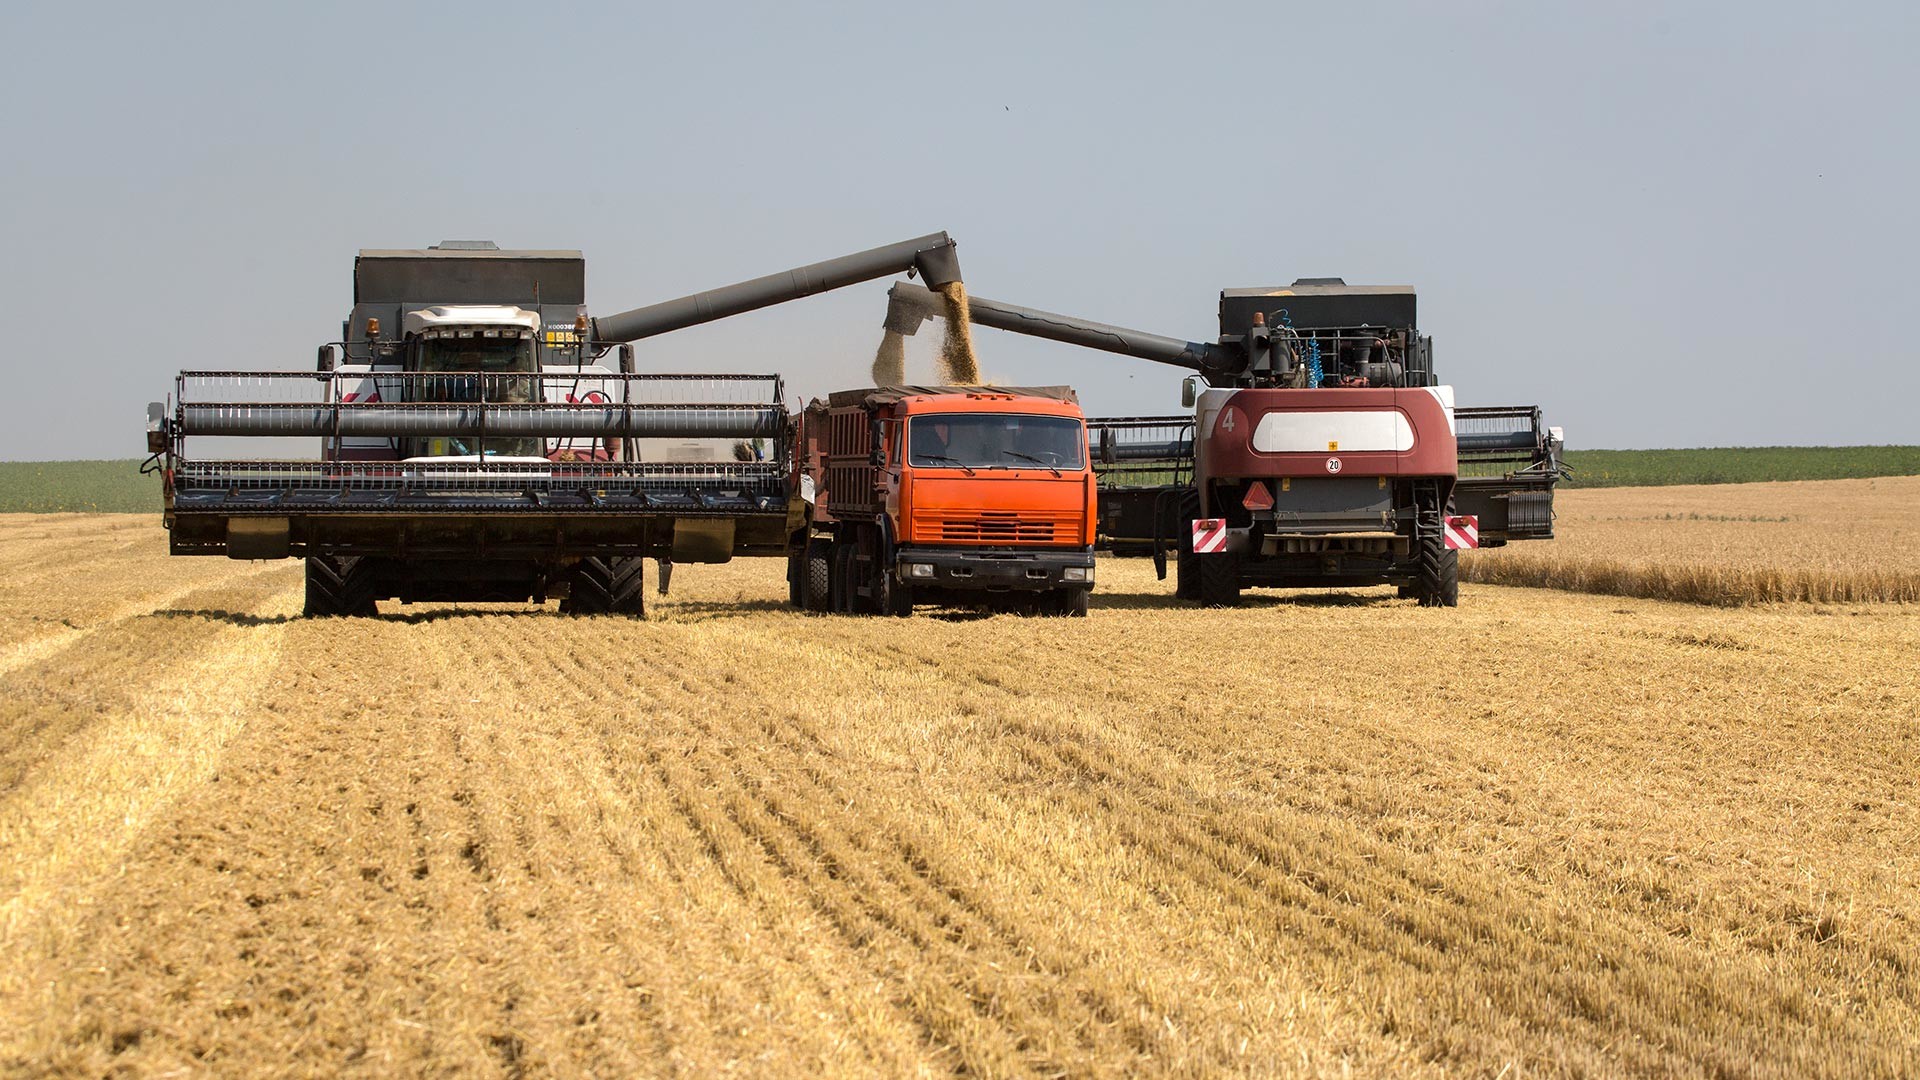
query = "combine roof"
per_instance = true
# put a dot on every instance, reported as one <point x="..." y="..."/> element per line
<point x="469" y="274"/>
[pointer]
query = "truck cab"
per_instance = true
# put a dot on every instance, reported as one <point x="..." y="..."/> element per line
<point x="972" y="496"/>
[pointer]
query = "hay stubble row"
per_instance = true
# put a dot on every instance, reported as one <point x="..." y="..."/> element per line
<point x="1576" y="834"/>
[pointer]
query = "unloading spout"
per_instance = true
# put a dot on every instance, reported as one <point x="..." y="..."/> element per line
<point x="933" y="257"/>
<point x="909" y="305"/>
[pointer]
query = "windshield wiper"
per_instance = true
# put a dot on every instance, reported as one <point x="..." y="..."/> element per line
<point x="942" y="457"/>
<point x="1035" y="460"/>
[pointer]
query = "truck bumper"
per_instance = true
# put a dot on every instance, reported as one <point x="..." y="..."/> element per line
<point x="995" y="571"/>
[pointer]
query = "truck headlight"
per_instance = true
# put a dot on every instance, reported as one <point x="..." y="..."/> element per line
<point x="919" y="569"/>
<point x="1077" y="573"/>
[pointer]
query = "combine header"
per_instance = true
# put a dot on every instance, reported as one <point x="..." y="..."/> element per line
<point x="463" y="441"/>
<point x="1321" y="450"/>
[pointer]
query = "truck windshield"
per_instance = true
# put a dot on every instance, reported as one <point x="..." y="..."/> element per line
<point x="457" y="360"/>
<point x="996" y="441"/>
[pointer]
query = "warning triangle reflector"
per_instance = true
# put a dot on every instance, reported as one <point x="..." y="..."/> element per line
<point x="1257" y="497"/>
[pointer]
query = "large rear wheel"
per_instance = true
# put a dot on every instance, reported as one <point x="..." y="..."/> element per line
<point x="339" y="585"/>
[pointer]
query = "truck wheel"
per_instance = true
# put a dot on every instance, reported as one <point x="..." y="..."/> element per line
<point x="608" y="587"/>
<point x="1439" y="583"/>
<point x="819" y="576"/>
<point x="894" y="598"/>
<point x="1070" y="603"/>
<point x="797" y="580"/>
<point x="1218" y="579"/>
<point x="339" y="585"/>
<point x="840" y="588"/>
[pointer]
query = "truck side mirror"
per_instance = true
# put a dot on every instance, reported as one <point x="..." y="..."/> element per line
<point x="1189" y="392"/>
<point x="876" y="456"/>
<point x="325" y="362"/>
<point x="626" y="358"/>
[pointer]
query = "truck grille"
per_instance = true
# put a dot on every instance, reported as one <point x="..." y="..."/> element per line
<point x="992" y="527"/>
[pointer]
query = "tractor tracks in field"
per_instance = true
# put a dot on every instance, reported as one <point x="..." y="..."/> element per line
<point x="93" y="757"/>
<point x="723" y="853"/>
<point x="50" y="643"/>
<point x="1439" y="947"/>
<point x="984" y="998"/>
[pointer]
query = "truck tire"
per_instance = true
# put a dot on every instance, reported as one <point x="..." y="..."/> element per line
<point x="608" y="587"/>
<point x="1069" y="603"/>
<point x="797" y="580"/>
<point x="1439" y="582"/>
<point x="894" y="598"/>
<point x="840" y="589"/>
<point x="1218" y="580"/>
<point x="819" y="576"/>
<point x="339" y="585"/>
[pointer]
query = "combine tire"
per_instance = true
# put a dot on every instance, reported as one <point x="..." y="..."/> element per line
<point x="1218" y="583"/>
<point x="608" y="587"/>
<point x="1186" y="575"/>
<point x="1439" y="583"/>
<point x="339" y="585"/>
<point x="818" y="582"/>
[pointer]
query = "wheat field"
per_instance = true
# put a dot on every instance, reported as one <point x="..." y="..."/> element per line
<point x="1544" y="834"/>
<point x="1834" y="541"/>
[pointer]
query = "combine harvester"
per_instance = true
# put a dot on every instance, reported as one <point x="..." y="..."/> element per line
<point x="957" y="495"/>
<point x="1321" y="451"/>
<point x="473" y="447"/>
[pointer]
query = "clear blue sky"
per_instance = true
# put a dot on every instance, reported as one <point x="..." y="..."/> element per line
<point x="1670" y="225"/>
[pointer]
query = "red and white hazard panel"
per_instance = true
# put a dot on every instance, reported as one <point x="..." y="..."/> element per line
<point x="1463" y="531"/>
<point x="1209" y="535"/>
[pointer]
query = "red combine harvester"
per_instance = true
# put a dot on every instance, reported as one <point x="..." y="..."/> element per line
<point x="1321" y="450"/>
<point x="958" y="495"/>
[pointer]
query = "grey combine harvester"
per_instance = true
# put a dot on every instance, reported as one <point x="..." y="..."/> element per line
<point x="463" y="439"/>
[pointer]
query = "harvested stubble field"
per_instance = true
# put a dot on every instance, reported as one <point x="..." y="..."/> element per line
<point x="1544" y="834"/>
<point x="1833" y="541"/>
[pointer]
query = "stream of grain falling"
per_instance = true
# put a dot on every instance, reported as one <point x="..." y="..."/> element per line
<point x="956" y="357"/>
<point x="890" y="361"/>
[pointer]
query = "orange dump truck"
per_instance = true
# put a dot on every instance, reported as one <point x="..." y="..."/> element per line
<point x="954" y="495"/>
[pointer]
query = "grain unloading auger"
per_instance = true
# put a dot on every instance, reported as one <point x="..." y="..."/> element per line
<point x="1321" y="450"/>
<point x="472" y="446"/>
